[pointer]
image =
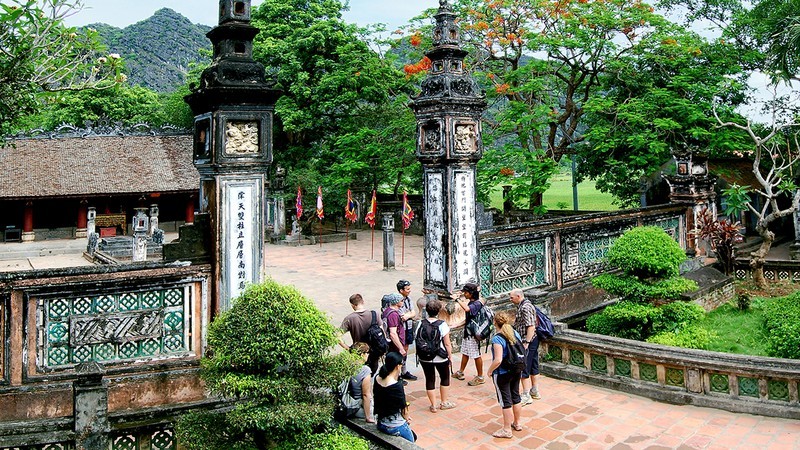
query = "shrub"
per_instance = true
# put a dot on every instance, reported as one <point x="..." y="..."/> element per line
<point x="743" y="301"/>
<point x="692" y="336"/>
<point x="269" y="352"/>
<point x="646" y="252"/>
<point x="676" y="316"/>
<point x="625" y="319"/>
<point x="633" y="289"/>
<point x="783" y="326"/>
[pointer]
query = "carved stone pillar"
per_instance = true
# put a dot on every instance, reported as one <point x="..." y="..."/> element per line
<point x="449" y="145"/>
<point x="140" y="228"/>
<point x="387" y="222"/>
<point x="233" y="108"/>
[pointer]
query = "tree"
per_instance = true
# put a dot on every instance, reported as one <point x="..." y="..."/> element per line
<point x="776" y="150"/>
<point x="269" y="353"/>
<point x="659" y="97"/>
<point x="340" y="115"/>
<point x="39" y="53"/>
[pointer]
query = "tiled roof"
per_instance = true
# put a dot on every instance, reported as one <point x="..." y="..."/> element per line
<point x="97" y="165"/>
<point x="734" y="171"/>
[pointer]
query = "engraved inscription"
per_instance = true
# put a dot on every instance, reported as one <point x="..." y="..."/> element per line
<point x="241" y="138"/>
<point x="116" y="328"/>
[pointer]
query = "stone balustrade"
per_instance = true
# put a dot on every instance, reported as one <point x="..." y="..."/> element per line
<point x="737" y="383"/>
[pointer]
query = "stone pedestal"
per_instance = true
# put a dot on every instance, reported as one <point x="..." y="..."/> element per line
<point x="387" y="220"/>
<point x="28" y="236"/>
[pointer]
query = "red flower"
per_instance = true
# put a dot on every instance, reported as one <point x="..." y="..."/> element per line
<point x="416" y="40"/>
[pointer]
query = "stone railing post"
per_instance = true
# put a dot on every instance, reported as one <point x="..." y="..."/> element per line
<point x="90" y="407"/>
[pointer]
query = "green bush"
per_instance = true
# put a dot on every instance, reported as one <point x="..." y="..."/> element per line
<point x="646" y="252"/>
<point x="676" y="316"/>
<point x="692" y="336"/>
<point x="270" y="352"/>
<point x="633" y="289"/>
<point x="628" y="320"/>
<point x="783" y="326"/>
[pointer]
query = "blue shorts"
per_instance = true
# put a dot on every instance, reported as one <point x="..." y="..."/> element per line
<point x="531" y="359"/>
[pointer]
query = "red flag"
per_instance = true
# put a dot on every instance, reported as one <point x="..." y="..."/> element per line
<point x="408" y="214"/>
<point x="373" y="211"/>
<point x="350" y="208"/>
<point x="299" y="203"/>
<point x="320" y="210"/>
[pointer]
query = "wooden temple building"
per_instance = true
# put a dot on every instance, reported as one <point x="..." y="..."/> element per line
<point x="49" y="181"/>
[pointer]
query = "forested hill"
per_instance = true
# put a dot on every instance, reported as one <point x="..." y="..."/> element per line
<point x="157" y="51"/>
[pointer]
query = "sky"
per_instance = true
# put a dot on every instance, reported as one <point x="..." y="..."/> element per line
<point x="121" y="13"/>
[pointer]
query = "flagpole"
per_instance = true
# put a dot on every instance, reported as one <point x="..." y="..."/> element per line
<point x="346" y="236"/>
<point x="319" y="233"/>
<point x="403" y="247"/>
<point x="373" y="244"/>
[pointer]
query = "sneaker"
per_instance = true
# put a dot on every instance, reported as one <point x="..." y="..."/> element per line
<point x="405" y="383"/>
<point x="526" y="400"/>
<point x="408" y="376"/>
<point x="458" y="375"/>
<point x="535" y="395"/>
<point x="476" y="381"/>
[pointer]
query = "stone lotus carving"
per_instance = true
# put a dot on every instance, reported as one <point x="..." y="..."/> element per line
<point x="241" y="138"/>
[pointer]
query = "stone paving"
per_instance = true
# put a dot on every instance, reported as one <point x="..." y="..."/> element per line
<point x="570" y="415"/>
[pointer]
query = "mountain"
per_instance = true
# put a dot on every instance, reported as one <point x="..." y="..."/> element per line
<point x="157" y="51"/>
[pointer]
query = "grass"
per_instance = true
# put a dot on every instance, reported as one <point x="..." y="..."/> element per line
<point x="737" y="331"/>
<point x="559" y="196"/>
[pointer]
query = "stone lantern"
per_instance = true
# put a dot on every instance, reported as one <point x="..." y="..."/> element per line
<point x="449" y="146"/>
<point x="692" y="183"/>
<point x="233" y="108"/>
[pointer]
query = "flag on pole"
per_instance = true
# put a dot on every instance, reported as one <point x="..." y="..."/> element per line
<point x="350" y="208"/>
<point x="320" y="210"/>
<point x="369" y="218"/>
<point x="299" y="203"/>
<point x="408" y="214"/>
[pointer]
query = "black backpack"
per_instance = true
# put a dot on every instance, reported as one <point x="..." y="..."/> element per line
<point x="514" y="359"/>
<point x="481" y="325"/>
<point x="346" y="404"/>
<point x="429" y="341"/>
<point x="376" y="338"/>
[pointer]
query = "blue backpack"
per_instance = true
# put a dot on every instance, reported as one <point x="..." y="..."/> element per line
<point x="544" y="327"/>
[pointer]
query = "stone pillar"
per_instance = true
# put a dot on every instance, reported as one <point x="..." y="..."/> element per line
<point x="233" y="109"/>
<point x="28" y="235"/>
<point x="387" y="220"/>
<point x="81" y="229"/>
<point x="91" y="233"/>
<point x="794" y="248"/>
<point x="90" y="407"/>
<point x="153" y="219"/>
<point x="279" y="220"/>
<point x="449" y="145"/>
<point x="140" y="229"/>
<point x="692" y="184"/>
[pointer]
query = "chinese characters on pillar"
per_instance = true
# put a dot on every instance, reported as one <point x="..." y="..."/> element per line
<point x="240" y="251"/>
<point x="465" y="242"/>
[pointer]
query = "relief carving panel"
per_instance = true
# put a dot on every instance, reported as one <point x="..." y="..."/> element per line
<point x="241" y="138"/>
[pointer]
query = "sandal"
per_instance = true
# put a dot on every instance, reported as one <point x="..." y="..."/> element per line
<point x="458" y="375"/>
<point x="516" y="427"/>
<point x="501" y="433"/>
<point x="447" y="405"/>
<point x="433" y="409"/>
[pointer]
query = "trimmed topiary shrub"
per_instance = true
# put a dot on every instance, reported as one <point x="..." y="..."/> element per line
<point x="646" y="252"/>
<point x="270" y="352"/>
<point x="673" y="322"/>
<point x="676" y="316"/>
<point x="783" y="326"/>
<point x="628" y="320"/>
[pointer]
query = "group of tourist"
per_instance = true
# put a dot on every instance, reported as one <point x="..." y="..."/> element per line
<point x="381" y="390"/>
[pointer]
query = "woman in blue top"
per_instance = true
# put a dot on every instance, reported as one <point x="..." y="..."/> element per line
<point x="506" y="382"/>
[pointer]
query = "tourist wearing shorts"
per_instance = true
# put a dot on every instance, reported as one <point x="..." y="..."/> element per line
<point x="470" y="347"/>
<point x="439" y="363"/>
<point x="506" y="382"/>
<point x="525" y="325"/>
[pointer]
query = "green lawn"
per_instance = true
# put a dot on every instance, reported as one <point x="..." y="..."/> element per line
<point x="737" y="331"/>
<point x="589" y="198"/>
